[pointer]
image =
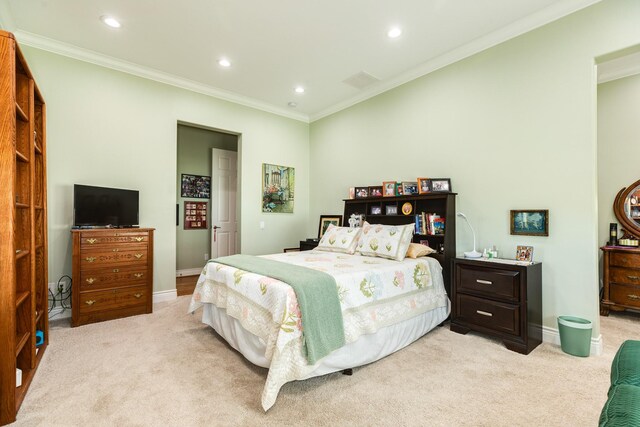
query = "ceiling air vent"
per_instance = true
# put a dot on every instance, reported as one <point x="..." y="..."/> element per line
<point x="361" y="80"/>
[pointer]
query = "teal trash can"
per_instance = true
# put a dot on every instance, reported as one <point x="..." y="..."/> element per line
<point x="575" y="335"/>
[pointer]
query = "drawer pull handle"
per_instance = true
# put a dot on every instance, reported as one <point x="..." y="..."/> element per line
<point x="90" y="302"/>
<point x="138" y="275"/>
<point x="90" y="280"/>
<point x="90" y="258"/>
<point x="633" y="296"/>
<point x="633" y="277"/>
<point x="484" y="313"/>
<point x="116" y="250"/>
<point x="92" y="241"/>
<point x="484" y="282"/>
<point x="138" y="239"/>
<point x="116" y="270"/>
<point x="138" y="256"/>
<point x="137" y="295"/>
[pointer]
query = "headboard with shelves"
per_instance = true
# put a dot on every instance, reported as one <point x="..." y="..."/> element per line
<point x="442" y="204"/>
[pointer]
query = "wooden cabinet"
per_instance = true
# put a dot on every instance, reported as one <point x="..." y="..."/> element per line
<point x="113" y="274"/>
<point x="23" y="227"/>
<point x="497" y="299"/>
<point x="377" y="210"/>
<point x="621" y="277"/>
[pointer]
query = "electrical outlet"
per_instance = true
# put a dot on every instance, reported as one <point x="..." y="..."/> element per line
<point x="206" y="257"/>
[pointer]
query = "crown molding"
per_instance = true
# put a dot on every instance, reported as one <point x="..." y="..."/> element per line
<point x="549" y="14"/>
<point x="6" y="18"/>
<point x="86" y="55"/>
<point x="619" y="68"/>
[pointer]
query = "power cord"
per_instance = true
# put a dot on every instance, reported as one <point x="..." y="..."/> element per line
<point x="62" y="296"/>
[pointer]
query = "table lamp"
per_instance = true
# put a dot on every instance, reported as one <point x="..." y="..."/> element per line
<point x="473" y="253"/>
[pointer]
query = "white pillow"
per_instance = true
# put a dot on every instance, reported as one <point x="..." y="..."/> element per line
<point x="386" y="241"/>
<point x="340" y="239"/>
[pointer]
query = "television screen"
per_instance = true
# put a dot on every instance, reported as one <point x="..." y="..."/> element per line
<point x="101" y="207"/>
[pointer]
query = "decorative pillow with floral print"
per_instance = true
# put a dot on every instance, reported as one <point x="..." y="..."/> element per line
<point x="340" y="239"/>
<point x="385" y="241"/>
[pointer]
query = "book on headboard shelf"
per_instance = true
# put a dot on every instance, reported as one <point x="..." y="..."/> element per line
<point x="429" y="224"/>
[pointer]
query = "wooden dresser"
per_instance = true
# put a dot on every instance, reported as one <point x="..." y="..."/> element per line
<point x="501" y="300"/>
<point x="112" y="274"/>
<point x="621" y="276"/>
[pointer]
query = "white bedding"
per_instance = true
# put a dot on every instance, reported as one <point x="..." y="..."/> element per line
<point x="375" y="294"/>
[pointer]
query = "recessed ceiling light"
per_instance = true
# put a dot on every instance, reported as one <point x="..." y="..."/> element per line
<point x="110" y="21"/>
<point x="299" y="89"/>
<point x="224" y="62"/>
<point x="292" y="104"/>
<point x="394" y="33"/>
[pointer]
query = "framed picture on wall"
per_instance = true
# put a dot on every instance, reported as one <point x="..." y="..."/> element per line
<point x="278" y="183"/>
<point x="195" y="215"/>
<point x="195" y="186"/>
<point x="529" y="222"/>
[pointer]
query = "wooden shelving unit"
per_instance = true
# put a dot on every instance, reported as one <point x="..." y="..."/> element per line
<point x="23" y="227"/>
<point x="442" y="204"/>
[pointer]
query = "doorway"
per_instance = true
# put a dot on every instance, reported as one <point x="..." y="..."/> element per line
<point x="195" y="148"/>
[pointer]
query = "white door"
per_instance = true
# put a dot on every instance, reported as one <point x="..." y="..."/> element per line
<point x="224" y="179"/>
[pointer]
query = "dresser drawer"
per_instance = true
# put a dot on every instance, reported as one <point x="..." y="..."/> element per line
<point x="624" y="275"/>
<point x="113" y="299"/>
<point x="625" y="294"/>
<point x="501" y="317"/>
<point x="624" y="259"/>
<point x="112" y="277"/>
<point x="90" y="239"/>
<point x="102" y="258"/>
<point x="492" y="282"/>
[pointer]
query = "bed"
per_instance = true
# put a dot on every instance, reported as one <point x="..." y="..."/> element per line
<point x="386" y="305"/>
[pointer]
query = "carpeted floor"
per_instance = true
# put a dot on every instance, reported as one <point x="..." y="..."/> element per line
<point x="169" y="369"/>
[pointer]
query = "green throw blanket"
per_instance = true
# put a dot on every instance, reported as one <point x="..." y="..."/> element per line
<point x="317" y="294"/>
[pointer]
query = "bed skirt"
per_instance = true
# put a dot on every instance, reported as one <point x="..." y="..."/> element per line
<point x="366" y="349"/>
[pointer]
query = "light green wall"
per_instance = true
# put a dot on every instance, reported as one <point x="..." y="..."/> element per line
<point x="194" y="158"/>
<point x="113" y="129"/>
<point x="514" y="127"/>
<point x="618" y="145"/>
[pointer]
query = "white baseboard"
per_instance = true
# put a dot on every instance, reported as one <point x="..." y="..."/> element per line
<point x="552" y="336"/>
<point x="162" y="296"/>
<point x="189" y="272"/>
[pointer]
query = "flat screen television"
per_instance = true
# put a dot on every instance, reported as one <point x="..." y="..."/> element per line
<point x="104" y="207"/>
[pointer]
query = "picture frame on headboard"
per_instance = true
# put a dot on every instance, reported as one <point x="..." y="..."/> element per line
<point x="388" y="188"/>
<point x="424" y="185"/>
<point x="441" y="185"/>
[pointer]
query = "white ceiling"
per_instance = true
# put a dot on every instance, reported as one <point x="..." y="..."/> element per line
<point x="277" y="45"/>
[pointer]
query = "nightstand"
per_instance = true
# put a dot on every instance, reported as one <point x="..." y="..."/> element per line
<point x="307" y="245"/>
<point x="498" y="299"/>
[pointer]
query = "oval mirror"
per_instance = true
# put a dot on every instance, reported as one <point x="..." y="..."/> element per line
<point x="627" y="209"/>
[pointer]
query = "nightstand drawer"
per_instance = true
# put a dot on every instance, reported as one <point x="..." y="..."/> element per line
<point x="494" y="315"/>
<point x="625" y="294"/>
<point x="492" y="282"/>
<point x="624" y="275"/>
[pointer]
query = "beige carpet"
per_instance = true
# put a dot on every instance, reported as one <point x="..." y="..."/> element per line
<point x="169" y="369"/>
